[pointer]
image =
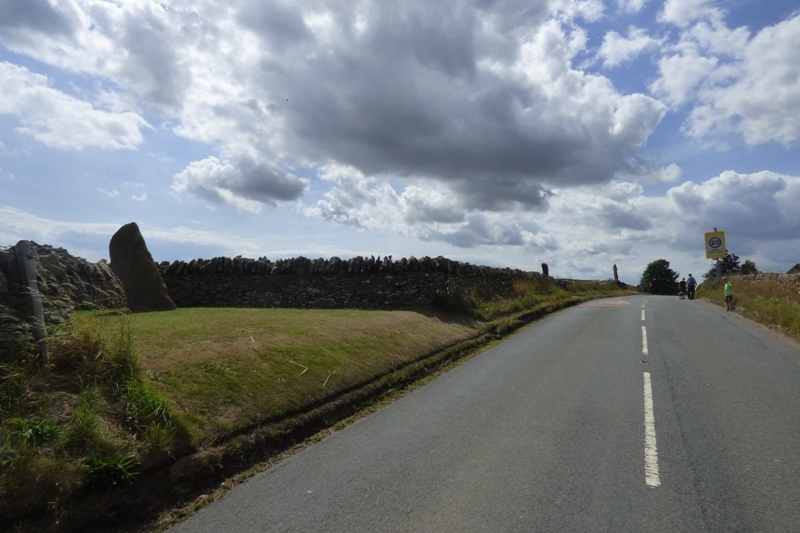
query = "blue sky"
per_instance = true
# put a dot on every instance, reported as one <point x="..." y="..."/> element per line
<point x="577" y="133"/>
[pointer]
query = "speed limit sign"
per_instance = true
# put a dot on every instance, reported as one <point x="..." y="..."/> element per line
<point x="715" y="245"/>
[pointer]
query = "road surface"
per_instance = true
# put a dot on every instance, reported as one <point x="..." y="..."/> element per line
<point x="635" y="414"/>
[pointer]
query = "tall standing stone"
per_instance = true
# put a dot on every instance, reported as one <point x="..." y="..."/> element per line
<point x="27" y="259"/>
<point x="132" y="263"/>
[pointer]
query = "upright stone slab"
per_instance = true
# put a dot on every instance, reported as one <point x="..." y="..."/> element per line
<point x="132" y="263"/>
<point x="26" y="257"/>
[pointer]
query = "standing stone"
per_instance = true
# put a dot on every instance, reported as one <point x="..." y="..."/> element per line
<point x="27" y="259"/>
<point x="132" y="263"/>
<point x="616" y="275"/>
<point x="545" y="270"/>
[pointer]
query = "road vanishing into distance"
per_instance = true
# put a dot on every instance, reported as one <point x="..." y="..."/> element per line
<point x="641" y="414"/>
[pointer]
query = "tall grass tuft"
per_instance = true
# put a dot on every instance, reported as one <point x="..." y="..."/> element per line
<point x="92" y="350"/>
<point x="87" y="419"/>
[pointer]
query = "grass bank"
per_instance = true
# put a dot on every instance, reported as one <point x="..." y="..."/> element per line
<point x="138" y="413"/>
<point x="769" y="299"/>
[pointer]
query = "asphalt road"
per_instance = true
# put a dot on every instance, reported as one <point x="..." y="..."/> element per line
<point x="638" y="414"/>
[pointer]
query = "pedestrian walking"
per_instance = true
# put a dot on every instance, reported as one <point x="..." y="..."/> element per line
<point x="728" y="294"/>
<point x="691" y="284"/>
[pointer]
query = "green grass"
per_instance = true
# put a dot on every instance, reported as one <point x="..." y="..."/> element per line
<point x="770" y="300"/>
<point x="123" y="390"/>
<point x="223" y="369"/>
<point x="66" y="426"/>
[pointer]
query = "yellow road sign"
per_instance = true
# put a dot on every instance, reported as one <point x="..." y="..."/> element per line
<point x="715" y="245"/>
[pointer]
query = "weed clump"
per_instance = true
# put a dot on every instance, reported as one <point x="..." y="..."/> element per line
<point x="86" y="420"/>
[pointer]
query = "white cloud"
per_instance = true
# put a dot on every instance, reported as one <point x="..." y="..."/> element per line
<point x="589" y="10"/>
<point x="681" y="75"/>
<point x="631" y="6"/>
<point x="716" y="38"/>
<point x="356" y="200"/>
<point x="430" y="204"/>
<point x="113" y="193"/>
<point x="646" y="173"/>
<point x="245" y="186"/>
<point x="763" y="102"/>
<point x="61" y="121"/>
<point x="755" y="206"/>
<point x="617" y="50"/>
<point x="213" y="180"/>
<point x="732" y="81"/>
<point x="499" y="231"/>
<point x="684" y="12"/>
<point x="136" y="44"/>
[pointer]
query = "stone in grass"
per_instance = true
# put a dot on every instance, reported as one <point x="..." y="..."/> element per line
<point x="132" y="263"/>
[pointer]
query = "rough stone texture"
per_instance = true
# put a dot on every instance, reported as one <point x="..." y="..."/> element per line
<point x="132" y="263"/>
<point x="791" y="280"/>
<point x="65" y="283"/>
<point x="360" y="282"/>
<point x="28" y="261"/>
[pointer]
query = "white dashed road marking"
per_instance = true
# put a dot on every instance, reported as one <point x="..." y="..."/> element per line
<point x="651" y="476"/>
<point x="644" y="340"/>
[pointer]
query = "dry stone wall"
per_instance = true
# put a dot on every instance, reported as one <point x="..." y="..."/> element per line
<point x="360" y="282"/>
<point x="66" y="283"/>
<point x="790" y="280"/>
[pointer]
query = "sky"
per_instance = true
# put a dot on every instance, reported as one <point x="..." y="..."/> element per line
<point x="579" y="133"/>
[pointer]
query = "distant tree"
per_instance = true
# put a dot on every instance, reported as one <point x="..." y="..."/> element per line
<point x="660" y="278"/>
<point x="728" y="265"/>
<point x="749" y="267"/>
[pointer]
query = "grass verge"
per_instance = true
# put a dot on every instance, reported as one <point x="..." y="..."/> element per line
<point x="768" y="299"/>
<point x="156" y="409"/>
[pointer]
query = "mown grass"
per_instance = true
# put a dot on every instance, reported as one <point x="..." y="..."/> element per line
<point x="224" y="369"/>
<point x="123" y="392"/>
<point x="768" y="299"/>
